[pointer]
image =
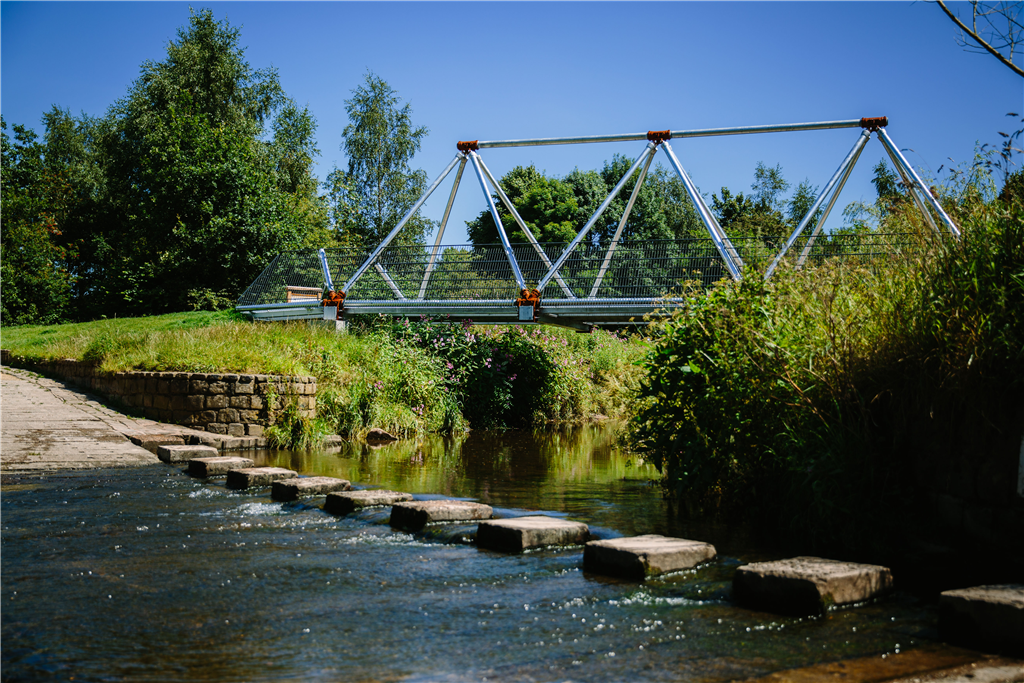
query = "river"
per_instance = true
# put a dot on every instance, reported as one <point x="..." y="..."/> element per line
<point x="147" y="574"/>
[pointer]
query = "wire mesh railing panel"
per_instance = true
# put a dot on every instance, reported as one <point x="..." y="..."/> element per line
<point x="291" y="276"/>
<point x="634" y="270"/>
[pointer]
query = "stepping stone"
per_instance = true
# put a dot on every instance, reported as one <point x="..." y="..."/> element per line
<point x="291" y="489"/>
<point x="807" y="585"/>
<point x="519" y="533"/>
<point x="638" y="557"/>
<point x="151" y="442"/>
<point x="257" y="476"/>
<point x="182" y="453"/>
<point x="211" y="467"/>
<point x="415" y="515"/>
<point x="990" y="618"/>
<point x="348" y="501"/>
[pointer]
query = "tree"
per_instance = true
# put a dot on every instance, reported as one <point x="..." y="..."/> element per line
<point x="33" y="275"/>
<point x="996" y="28"/>
<point x="379" y="187"/>
<point x="800" y="203"/>
<point x="758" y="215"/>
<point x="198" y="201"/>
<point x="547" y="206"/>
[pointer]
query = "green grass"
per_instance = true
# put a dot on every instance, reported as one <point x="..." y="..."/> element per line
<point x="383" y="374"/>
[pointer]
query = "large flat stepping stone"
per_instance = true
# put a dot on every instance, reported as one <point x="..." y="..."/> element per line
<point x="211" y="467"/>
<point x="182" y="453"/>
<point x="415" y="515"/>
<point x="248" y="477"/>
<point x="989" y="618"/>
<point x="292" y="489"/>
<point x="807" y="585"/>
<point x="535" y="531"/>
<point x="638" y="557"/>
<point x="344" y="502"/>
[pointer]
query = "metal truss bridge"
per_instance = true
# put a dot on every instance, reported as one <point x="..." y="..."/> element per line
<point x="577" y="284"/>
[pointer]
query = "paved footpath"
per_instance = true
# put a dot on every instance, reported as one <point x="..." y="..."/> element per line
<point x="46" y="425"/>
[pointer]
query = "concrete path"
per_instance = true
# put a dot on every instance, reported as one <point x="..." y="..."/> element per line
<point x="45" y="425"/>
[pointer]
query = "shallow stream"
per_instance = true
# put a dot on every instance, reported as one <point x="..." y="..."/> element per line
<point x="150" y="575"/>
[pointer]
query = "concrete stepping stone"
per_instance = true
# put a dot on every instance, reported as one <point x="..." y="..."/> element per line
<point x="344" y="502"/>
<point x="807" y="585"/>
<point x="638" y="557"/>
<point x="414" y="515"/>
<point x="989" y="618"/>
<point x="291" y="489"/>
<point x="211" y="467"/>
<point x="520" y="533"/>
<point x="248" y="477"/>
<point x="181" y="453"/>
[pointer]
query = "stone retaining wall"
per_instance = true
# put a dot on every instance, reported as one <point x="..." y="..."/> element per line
<point x="234" y="405"/>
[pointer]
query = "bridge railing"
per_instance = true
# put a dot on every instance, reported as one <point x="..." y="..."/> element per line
<point x="636" y="269"/>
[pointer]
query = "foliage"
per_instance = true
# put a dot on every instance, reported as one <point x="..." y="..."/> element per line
<point x="407" y="379"/>
<point x="792" y="401"/>
<point x="175" y="199"/>
<point x="379" y="187"/>
<point x="556" y="209"/>
<point x="34" y="277"/>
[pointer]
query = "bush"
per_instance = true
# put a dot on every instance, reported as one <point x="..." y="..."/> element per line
<point x="798" y="402"/>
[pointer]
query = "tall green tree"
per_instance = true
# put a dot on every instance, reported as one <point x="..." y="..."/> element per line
<point x="379" y="187"/>
<point x="34" y="277"/>
<point x="199" y="201"/>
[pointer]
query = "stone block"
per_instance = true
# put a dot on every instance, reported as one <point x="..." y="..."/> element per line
<point x="415" y="515"/>
<point x="227" y="415"/>
<point x="163" y="386"/>
<point x="217" y="401"/>
<point x="151" y="383"/>
<point x="208" y="416"/>
<point x="807" y="585"/>
<point x="179" y="386"/>
<point x="217" y="428"/>
<point x="236" y="429"/>
<point x="248" y="416"/>
<point x="345" y="502"/>
<point x="147" y="400"/>
<point x="255" y="430"/>
<point x="256" y="402"/>
<point x="292" y="489"/>
<point x="239" y="402"/>
<point x="247" y="477"/>
<point x="230" y="378"/>
<point x="212" y="466"/>
<point x="638" y="557"/>
<point x="198" y="386"/>
<point x="177" y="402"/>
<point x="535" y="531"/>
<point x="988" y="618"/>
<point x="182" y="453"/>
<point x="162" y="402"/>
<point x="217" y="388"/>
<point x="205" y="439"/>
<point x="196" y="402"/>
<point x="242" y="388"/>
<point x="151" y="442"/>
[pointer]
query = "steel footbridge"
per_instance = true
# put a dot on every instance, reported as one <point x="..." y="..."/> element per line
<point x="578" y="284"/>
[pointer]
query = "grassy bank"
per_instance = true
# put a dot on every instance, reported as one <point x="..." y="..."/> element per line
<point x="826" y="402"/>
<point x="404" y="377"/>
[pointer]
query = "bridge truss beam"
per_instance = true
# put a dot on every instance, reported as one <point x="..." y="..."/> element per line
<point x="577" y="309"/>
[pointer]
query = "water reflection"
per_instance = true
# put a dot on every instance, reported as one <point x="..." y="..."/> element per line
<point x="148" y="574"/>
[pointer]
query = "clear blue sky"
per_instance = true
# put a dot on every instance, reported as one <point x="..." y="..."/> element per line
<point x="536" y="69"/>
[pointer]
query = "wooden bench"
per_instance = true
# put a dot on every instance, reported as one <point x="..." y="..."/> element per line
<point x="302" y="293"/>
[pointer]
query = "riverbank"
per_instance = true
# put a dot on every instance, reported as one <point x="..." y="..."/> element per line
<point x="404" y="378"/>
